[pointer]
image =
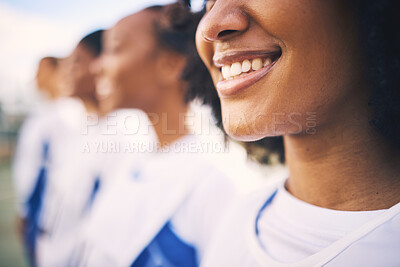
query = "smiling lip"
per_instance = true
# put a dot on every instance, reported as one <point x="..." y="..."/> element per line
<point x="231" y="87"/>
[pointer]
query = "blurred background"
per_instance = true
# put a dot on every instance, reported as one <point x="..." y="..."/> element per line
<point x="31" y="30"/>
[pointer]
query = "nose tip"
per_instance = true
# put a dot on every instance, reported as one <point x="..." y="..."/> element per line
<point x="222" y="23"/>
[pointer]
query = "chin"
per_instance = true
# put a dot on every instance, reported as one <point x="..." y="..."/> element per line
<point x="242" y="130"/>
<point x="251" y="129"/>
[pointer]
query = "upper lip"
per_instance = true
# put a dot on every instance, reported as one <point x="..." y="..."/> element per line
<point x="221" y="59"/>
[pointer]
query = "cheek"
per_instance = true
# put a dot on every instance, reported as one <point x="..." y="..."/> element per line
<point x="75" y="73"/>
<point x="204" y="49"/>
<point x="318" y="72"/>
<point x="112" y="70"/>
<point x="120" y="77"/>
<point x="86" y="76"/>
<point x="117" y="75"/>
<point x="77" y="78"/>
<point x="128" y="76"/>
<point x="296" y="98"/>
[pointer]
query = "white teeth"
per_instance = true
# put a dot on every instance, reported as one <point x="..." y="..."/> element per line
<point x="236" y="69"/>
<point x="257" y="64"/>
<point x="246" y="66"/>
<point x="226" y="71"/>
<point x="267" y="62"/>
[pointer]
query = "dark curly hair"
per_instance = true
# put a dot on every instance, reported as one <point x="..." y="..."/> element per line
<point x="93" y="42"/>
<point x="175" y="31"/>
<point x="379" y="25"/>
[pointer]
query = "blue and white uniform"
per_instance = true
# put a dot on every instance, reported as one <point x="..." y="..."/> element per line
<point x="162" y="211"/>
<point x="273" y="228"/>
<point x="31" y="167"/>
<point x="62" y="130"/>
<point x="33" y="136"/>
<point x="83" y="149"/>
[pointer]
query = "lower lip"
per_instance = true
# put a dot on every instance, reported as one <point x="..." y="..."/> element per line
<point x="228" y="88"/>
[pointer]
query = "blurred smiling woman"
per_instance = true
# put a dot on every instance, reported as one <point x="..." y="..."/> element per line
<point x="322" y="74"/>
<point x="163" y="206"/>
<point x="68" y="175"/>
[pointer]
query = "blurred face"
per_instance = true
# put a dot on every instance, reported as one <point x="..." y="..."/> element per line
<point x="127" y="73"/>
<point x="46" y="75"/>
<point x="79" y="81"/>
<point x="277" y="63"/>
<point x="63" y="88"/>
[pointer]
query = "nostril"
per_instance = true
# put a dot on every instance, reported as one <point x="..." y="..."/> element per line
<point x="225" y="33"/>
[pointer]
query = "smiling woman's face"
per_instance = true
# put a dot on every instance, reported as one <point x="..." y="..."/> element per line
<point x="126" y="72"/>
<point x="79" y="82"/>
<point x="278" y="63"/>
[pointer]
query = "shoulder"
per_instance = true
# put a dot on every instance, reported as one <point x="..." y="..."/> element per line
<point x="377" y="243"/>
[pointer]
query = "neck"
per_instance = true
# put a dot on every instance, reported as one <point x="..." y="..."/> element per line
<point x="346" y="167"/>
<point x="52" y="95"/>
<point x="169" y="121"/>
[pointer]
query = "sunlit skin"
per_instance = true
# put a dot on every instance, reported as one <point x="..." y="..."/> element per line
<point x="314" y="94"/>
<point x="79" y="80"/>
<point x="48" y="77"/>
<point x="134" y="72"/>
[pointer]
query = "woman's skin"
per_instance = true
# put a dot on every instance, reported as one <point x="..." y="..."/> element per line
<point x="48" y="77"/>
<point x="314" y="94"/>
<point x="142" y="75"/>
<point x="79" y="80"/>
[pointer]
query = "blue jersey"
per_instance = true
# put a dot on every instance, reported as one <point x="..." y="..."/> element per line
<point x="167" y="250"/>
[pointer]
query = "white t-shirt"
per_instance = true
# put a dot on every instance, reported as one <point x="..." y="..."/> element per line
<point x="183" y="191"/>
<point x="70" y="174"/>
<point x="246" y="239"/>
<point x="291" y="230"/>
<point x="83" y="148"/>
<point x="37" y="131"/>
<point x="29" y="157"/>
<point x="66" y="173"/>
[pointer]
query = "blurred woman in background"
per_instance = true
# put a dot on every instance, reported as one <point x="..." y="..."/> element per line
<point x="65" y="175"/>
<point x="32" y="147"/>
<point x="322" y="74"/>
<point x="166" y="204"/>
<point x="48" y="77"/>
<point x="71" y="173"/>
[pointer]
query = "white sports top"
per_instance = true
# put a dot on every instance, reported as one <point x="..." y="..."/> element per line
<point x="290" y="230"/>
<point x="181" y="190"/>
<point x="375" y="242"/>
